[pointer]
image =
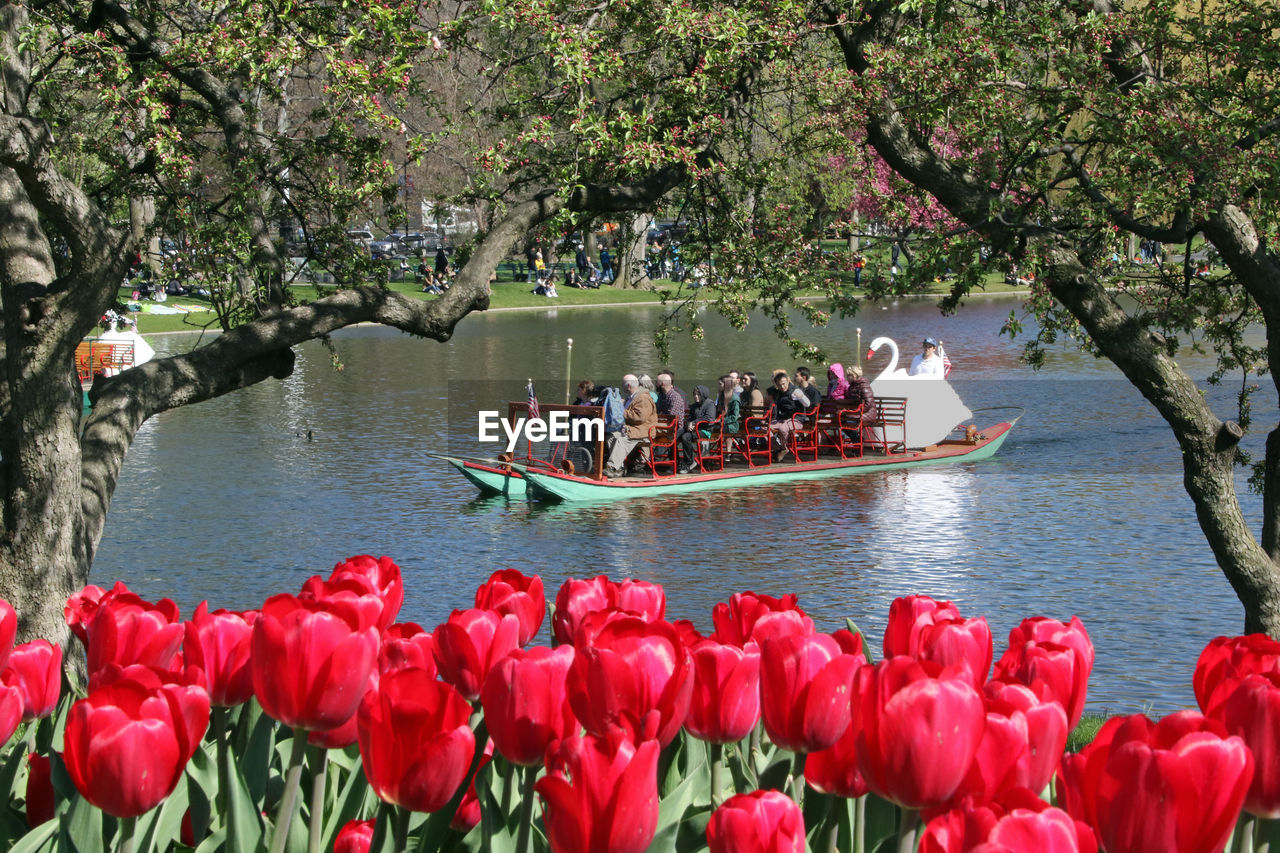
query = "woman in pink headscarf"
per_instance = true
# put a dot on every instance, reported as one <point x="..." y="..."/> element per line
<point x="837" y="385"/>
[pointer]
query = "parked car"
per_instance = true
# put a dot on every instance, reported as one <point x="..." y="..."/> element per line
<point x="387" y="248"/>
<point x="415" y="243"/>
<point x="360" y="236"/>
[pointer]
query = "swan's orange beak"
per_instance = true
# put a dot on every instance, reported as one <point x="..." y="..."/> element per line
<point x="870" y="354"/>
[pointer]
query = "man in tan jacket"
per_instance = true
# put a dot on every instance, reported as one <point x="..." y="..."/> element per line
<point x="638" y="416"/>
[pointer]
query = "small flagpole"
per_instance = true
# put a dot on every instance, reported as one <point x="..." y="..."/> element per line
<point x="568" y="371"/>
<point x="859" y="351"/>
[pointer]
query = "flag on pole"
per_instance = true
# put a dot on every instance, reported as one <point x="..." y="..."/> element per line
<point x="533" y="402"/>
<point x="946" y="362"/>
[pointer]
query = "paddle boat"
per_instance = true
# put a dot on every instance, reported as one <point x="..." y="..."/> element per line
<point x="832" y="442"/>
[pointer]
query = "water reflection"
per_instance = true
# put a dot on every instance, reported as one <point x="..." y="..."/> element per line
<point x="1081" y="512"/>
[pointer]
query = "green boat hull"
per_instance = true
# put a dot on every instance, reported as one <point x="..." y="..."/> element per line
<point x="565" y="487"/>
<point x="491" y="480"/>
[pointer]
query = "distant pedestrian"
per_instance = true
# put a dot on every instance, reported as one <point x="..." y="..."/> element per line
<point x="606" y="264"/>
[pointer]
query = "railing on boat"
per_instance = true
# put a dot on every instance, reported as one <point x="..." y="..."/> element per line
<point x="559" y="459"/>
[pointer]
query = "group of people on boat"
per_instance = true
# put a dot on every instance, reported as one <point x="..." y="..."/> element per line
<point x="739" y="395"/>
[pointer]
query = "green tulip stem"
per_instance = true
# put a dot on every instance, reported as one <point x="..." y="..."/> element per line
<point x="528" y="777"/>
<point x="319" y="759"/>
<point x="860" y="824"/>
<point x="400" y="830"/>
<point x="908" y="823"/>
<point x="224" y="770"/>
<point x="127" y="825"/>
<point x="289" y="800"/>
<point x="1246" y="827"/>
<point x="717" y="771"/>
<point x="508" y="777"/>
<point x="797" y="778"/>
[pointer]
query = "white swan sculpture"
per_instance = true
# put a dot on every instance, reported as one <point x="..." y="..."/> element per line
<point x="933" y="406"/>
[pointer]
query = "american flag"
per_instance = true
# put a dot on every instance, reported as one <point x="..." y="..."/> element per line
<point x="946" y="362"/>
<point x="534" y="412"/>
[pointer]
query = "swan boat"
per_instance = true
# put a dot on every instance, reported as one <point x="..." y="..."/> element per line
<point x="557" y="478"/>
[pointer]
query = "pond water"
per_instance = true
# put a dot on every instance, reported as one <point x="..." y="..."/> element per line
<point x="1082" y="512"/>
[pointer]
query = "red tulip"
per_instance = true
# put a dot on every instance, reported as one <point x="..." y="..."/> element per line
<point x="725" y="704"/>
<point x="1041" y="629"/>
<point x="508" y="591"/>
<point x="384" y="575"/>
<point x="1176" y="785"/>
<point x="1227" y="658"/>
<point x="468" y="814"/>
<point x="1016" y="821"/>
<point x="962" y="645"/>
<point x="688" y="632"/>
<point x="355" y="837"/>
<point x="918" y="730"/>
<point x="41" y="800"/>
<point x="312" y="660"/>
<point x="10" y="712"/>
<point x="636" y="675"/>
<point x="127" y="742"/>
<point x="1022" y="743"/>
<point x="644" y="599"/>
<point x="1049" y="669"/>
<point x="346" y="734"/>
<point x="758" y="822"/>
<point x="470" y="643"/>
<point x="908" y="616"/>
<point x="125" y="630"/>
<point x="81" y="606"/>
<point x="578" y="598"/>
<point x="805" y="686"/>
<point x="406" y="645"/>
<point x="8" y="630"/>
<point x="525" y="703"/>
<point x="747" y="616"/>
<point x="925" y="629"/>
<point x="1249" y="708"/>
<point x="600" y="793"/>
<point x="35" y="669"/>
<point x="416" y="742"/>
<point x="356" y="593"/>
<point x="834" y="770"/>
<point x="219" y="644"/>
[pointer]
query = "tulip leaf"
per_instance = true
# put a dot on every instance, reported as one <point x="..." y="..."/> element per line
<point x="42" y="839"/>
<point x="9" y="773"/>
<point x="214" y="842"/>
<point x="81" y="828"/>
<point x="348" y="805"/>
<point x="159" y="828"/>
<point x="672" y="808"/>
<point x="248" y="817"/>
<point x="256" y="754"/>
<point x="881" y="831"/>
<point x="866" y="647"/>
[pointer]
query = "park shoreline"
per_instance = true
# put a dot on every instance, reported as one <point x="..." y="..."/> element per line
<point x="552" y="305"/>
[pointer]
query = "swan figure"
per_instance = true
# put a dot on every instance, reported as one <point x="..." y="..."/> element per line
<point x="892" y="371"/>
<point x="933" y="406"/>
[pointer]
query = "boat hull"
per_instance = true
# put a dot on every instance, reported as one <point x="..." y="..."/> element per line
<point x="565" y="487"/>
<point x="492" y="479"/>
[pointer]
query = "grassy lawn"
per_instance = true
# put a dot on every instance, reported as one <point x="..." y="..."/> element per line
<point x="507" y="293"/>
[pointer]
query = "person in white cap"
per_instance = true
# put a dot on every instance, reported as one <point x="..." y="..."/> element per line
<point x="928" y="362"/>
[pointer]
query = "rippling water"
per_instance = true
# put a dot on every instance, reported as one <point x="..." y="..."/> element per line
<point x="1082" y="512"/>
